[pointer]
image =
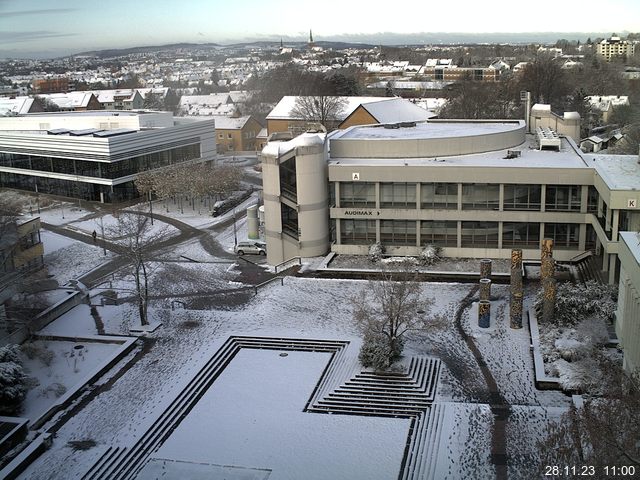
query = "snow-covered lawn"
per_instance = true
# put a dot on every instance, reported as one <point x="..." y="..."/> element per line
<point x="443" y="265"/>
<point x="71" y="260"/>
<point x="58" y="366"/>
<point x="110" y="225"/>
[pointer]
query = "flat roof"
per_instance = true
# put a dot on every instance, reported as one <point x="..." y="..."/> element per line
<point x="430" y="130"/>
<point x="530" y="157"/>
<point x="620" y="172"/>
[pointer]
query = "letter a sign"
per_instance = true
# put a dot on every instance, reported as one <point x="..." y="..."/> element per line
<point x="632" y="203"/>
<point x="355" y="176"/>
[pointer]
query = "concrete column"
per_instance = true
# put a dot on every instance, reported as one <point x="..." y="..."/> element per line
<point x="377" y="189"/>
<point x="252" y="222"/>
<point x="607" y="220"/>
<point x="615" y="220"/>
<point x="459" y="235"/>
<point x="459" y="196"/>
<point x="584" y="198"/>
<point x="485" y="289"/>
<point x="418" y="233"/>
<point x="484" y="314"/>
<point x="582" y="237"/>
<point x="543" y="197"/>
<point x="501" y="198"/>
<point x="612" y="268"/>
<point x="418" y="196"/>
<point x="485" y="268"/>
<point x="337" y="194"/>
<point x="500" y="230"/>
<point x="338" y="232"/>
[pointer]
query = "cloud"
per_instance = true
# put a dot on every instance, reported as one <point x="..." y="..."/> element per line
<point x="16" y="37"/>
<point x="42" y="11"/>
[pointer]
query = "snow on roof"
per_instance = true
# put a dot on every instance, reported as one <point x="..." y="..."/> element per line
<point x="229" y="123"/>
<point x="16" y="105"/>
<point x="620" y="172"/>
<point x="213" y="100"/>
<point x="530" y="157"/>
<point x="275" y="149"/>
<point x="438" y="129"/>
<point x="263" y="133"/>
<point x="383" y="109"/>
<point x="396" y="109"/>
<point x="69" y="100"/>
<point x="282" y="111"/>
<point x="157" y="91"/>
<point x="604" y="102"/>
<point x="108" y="96"/>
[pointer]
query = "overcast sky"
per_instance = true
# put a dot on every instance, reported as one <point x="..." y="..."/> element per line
<point x="50" y="28"/>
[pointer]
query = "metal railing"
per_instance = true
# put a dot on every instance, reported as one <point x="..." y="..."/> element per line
<point x="299" y="262"/>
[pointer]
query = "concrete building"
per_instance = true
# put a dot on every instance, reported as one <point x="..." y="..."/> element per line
<point x="97" y="155"/>
<point x="21" y="249"/>
<point x="628" y="313"/>
<point x="615" y="47"/>
<point x="475" y="188"/>
<point x="51" y="85"/>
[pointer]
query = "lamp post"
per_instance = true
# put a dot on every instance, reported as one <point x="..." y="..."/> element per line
<point x="104" y="247"/>
<point x="235" y="232"/>
<point x="150" y="208"/>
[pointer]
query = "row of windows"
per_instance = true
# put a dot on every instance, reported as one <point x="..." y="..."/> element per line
<point x="472" y="234"/>
<point x="87" y="168"/>
<point x="475" y="196"/>
<point x="69" y="188"/>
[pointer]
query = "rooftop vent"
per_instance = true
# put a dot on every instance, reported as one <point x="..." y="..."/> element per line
<point x="547" y="139"/>
<point x="513" y="154"/>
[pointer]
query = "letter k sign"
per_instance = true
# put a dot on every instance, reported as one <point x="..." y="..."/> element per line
<point x="632" y="203"/>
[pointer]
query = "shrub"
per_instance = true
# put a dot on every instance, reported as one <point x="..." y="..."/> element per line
<point x="12" y="380"/>
<point x="575" y="302"/>
<point x="430" y="254"/>
<point x="376" y="251"/>
<point x="377" y="353"/>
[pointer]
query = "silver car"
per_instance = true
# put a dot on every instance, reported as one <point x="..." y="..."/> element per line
<point x="251" y="247"/>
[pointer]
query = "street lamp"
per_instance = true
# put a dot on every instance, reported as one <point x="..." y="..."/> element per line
<point x="235" y="232"/>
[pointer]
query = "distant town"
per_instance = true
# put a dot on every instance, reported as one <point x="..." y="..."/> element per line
<point x="322" y="260"/>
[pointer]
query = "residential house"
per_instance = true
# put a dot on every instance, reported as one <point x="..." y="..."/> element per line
<point x="357" y="111"/>
<point x="237" y="134"/>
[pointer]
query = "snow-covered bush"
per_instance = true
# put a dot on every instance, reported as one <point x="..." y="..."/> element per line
<point x="375" y="352"/>
<point x="575" y="302"/>
<point x="430" y="254"/>
<point x="12" y="380"/>
<point x="376" y="251"/>
<point x="37" y="350"/>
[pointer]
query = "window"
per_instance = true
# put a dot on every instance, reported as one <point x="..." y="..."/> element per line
<point x="480" y="196"/>
<point x="564" y="235"/>
<point x="289" y="221"/>
<point x="520" y="234"/>
<point x="444" y="234"/>
<point x="592" y="200"/>
<point x="220" y="136"/>
<point x="398" y="195"/>
<point x="229" y="137"/>
<point x="357" y="232"/>
<point x="563" y="198"/>
<point x="357" y="194"/>
<point x="398" y="232"/>
<point x="439" y="195"/>
<point x="480" y="234"/>
<point x="522" y="197"/>
<point x="288" y="180"/>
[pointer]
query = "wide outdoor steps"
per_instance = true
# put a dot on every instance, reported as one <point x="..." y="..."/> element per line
<point x="395" y="394"/>
<point x="422" y="451"/>
<point x="125" y="463"/>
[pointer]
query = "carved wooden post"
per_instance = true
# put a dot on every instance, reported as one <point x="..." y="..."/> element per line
<point x="485" y="289"/>
<point x="547" y="274"/>
<point x="517" y="289"/>
<point x="485" y="268"/>
<point x="484" y="313"/>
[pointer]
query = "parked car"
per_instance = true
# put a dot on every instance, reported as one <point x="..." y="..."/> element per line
<point x="252" y="247"/>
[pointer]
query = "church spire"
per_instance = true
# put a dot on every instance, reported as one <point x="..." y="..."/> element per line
<point x="310" y="37"/>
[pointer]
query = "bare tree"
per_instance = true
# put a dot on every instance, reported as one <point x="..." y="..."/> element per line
<point x="545" y="79"/>
<point x="134" y="234"/>
<point x="323" y="109"/>
<point x="384" y="312"/>
<point x="604" y="432"/>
